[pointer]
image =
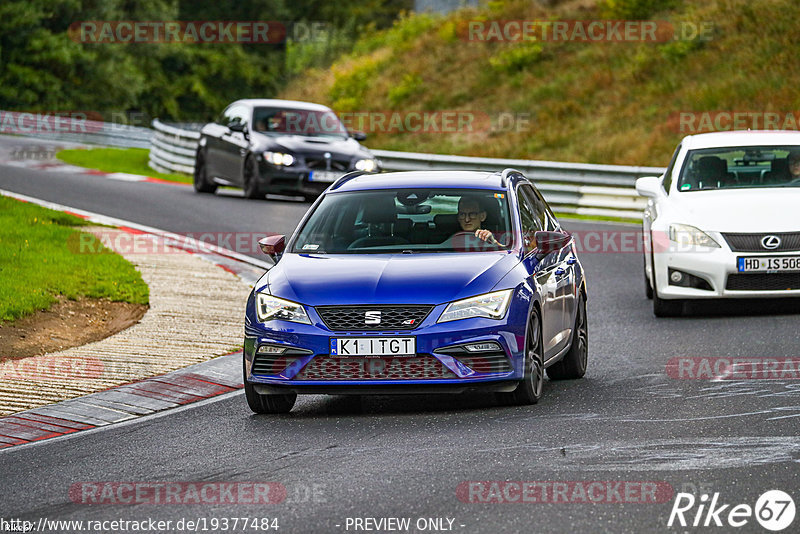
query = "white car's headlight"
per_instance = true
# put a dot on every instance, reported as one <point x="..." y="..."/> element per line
<point x="367" y="165"/>
<point x="490" y="305"/>
<point x="279" y="158"/>
<point x="269" y="308"/>
<point x="683" y="234"/>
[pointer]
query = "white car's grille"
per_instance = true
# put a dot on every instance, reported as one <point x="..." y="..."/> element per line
<point x="763" y="282"/>
<point x="752" y="242"/>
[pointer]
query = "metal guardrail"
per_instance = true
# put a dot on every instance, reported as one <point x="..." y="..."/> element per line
<point x="74" y="128"/>
<point x="585" y="189"/>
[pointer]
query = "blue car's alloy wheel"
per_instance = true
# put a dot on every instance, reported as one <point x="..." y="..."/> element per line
<point x="529" y="389"/>
<point x="573" y="365"/>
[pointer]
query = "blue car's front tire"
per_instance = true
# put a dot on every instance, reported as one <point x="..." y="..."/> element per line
<point x="262" y="404"/>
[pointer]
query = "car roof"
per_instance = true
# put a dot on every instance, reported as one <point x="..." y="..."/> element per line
<point x="424" y="179"/>
<point x="275" y="103"/>
<point x="742" y="138"/>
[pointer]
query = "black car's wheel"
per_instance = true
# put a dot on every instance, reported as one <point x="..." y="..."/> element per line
<point x="266" y="403"/>
<point x="251" y="178"/>
<point x="661" y="307"/>
<point x="529" y="390"/>
<point x="573" y="365"/>
<point x="201" y="181"/>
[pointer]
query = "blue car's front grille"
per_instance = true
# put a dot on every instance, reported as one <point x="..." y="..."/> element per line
<point x="421" y="367"/>
<point x="271" y="364"/>
<point x="373" y="318"/>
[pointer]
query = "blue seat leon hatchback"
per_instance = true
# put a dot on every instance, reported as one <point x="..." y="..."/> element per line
<point x="418" y="282"/>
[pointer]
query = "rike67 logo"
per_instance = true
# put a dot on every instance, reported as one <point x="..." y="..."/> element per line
<point x="774" y="510"/>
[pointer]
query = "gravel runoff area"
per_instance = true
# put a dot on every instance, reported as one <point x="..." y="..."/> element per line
<point x="196" y="312"/>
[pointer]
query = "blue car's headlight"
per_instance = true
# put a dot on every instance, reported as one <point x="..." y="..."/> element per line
<point x="269" y="308"/>
<point x="490" y="305"/>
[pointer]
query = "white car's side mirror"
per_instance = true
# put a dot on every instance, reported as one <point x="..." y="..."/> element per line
<point x="649" y="186"/>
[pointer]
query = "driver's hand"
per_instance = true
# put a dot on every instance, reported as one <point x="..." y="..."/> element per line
<point x="485" y="235"/>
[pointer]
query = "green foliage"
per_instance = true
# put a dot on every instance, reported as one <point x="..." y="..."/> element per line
<point x="350" y="85"/>
<point x="47" y="67"/>
<point x="40" y="258"/>
<point x="635" y="9"/>
<point x="517" y="57"/>
<point x="410" y="86"/>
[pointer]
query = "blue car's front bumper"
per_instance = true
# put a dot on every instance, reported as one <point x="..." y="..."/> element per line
<point x="441" y="364"/>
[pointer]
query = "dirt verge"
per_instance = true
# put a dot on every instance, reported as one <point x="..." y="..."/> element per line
<point x="68" y="323"/>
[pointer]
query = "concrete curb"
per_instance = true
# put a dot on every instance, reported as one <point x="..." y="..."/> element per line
<point x="119" y="396"/>
<point x="122" y="403"/>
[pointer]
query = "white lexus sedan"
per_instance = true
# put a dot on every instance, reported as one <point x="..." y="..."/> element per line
<point x="724" y="220"/>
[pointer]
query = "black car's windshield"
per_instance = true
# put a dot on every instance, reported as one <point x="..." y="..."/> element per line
<point x="741" y="167"/>
<point x="305" y="122"/>
<point x="406" y="220"/>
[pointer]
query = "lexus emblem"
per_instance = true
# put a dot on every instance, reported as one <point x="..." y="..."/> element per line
<point x="770" y="242"/>
<point x="372" y="317"/>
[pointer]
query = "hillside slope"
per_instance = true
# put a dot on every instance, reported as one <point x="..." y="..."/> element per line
<point x="586" y="101"/>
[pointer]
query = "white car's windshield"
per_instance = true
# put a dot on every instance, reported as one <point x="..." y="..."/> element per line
<point x="406" y="220"/>
<point x="741" y="167"/>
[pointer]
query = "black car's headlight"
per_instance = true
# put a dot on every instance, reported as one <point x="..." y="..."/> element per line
<point x="367" y="165"/>
<point x="490" y="305"/>
<point x="270" y="308"/>
<point x="279" y="158"/>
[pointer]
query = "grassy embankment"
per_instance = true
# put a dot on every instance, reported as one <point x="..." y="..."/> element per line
<point x="40" y="261"/>
<point x="594" y="102"/>
<point x="128" y="160"/>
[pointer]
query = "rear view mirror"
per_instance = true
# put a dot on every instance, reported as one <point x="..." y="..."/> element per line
<point x="358" y="136"/>
<point x="649" y="186"/>
<point x="273" y="246"/>
<point x="237" y="126"/>
<point x="547" y="242"/>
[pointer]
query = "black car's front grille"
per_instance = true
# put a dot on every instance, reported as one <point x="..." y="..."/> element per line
<point x="321" y="164"/>
<point x="349" y="318"/>
<point x="487" y="362"/>
<point x="763" y="282"/>
<point x="752" y="242"/>
<point x="420" y="367"/>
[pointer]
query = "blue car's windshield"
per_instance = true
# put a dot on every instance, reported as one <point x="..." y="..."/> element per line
<point x="741" y="167"/>
<point x="406" y="220"/>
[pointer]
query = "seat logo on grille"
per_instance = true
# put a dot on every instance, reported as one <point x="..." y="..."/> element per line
<point x="770" y="242"/>
<point x="372" y="317"/>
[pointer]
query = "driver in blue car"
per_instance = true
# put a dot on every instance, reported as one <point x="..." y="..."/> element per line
<point x="471" y="216"/>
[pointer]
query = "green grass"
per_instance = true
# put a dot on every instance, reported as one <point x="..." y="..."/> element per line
<point x="128" y="160"/>
<point x="605" y="218"/>
<point x="40" y="260"/>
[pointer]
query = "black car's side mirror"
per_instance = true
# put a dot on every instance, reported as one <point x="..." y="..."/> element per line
<point x="273" y="246"/>
<point x="237" y="126"/>
<point x="547" y="242"/>
<point x="358" y="136"/>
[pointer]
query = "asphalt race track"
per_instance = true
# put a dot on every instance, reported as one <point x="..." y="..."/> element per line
<point x="628" y="422"/>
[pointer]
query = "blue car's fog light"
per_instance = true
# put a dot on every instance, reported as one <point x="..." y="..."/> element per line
<point x="487" y="346"/>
